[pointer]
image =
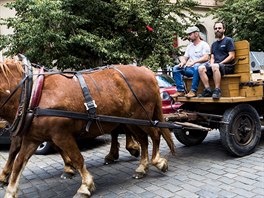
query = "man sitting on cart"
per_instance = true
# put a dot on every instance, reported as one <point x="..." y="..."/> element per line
<point x="197" y="53"/>
<point x="221" y="62"/>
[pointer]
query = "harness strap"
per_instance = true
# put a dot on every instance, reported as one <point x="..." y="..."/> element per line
<point x="131" y="89"/>
<point x="14" y="91"/>
<point x="104" y="118"/>
<point x="27" y="81"/>
<point x="89" y="102"/>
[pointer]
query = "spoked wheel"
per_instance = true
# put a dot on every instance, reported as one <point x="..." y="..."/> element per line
<point x="241" y="131"/>
<point x="190" y="137"/>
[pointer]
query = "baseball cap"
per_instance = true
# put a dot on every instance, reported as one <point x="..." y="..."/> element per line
<point x="192" y="29"/>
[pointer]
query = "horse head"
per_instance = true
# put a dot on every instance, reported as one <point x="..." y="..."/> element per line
<point x="11" y="72"/>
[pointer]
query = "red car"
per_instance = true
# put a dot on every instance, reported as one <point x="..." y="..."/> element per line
<point x="167" y="87"/>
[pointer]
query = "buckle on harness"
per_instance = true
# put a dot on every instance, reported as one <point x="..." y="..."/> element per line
<point x="90" y="104"/>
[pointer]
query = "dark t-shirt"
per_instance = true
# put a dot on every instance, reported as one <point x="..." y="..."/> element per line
<point x="220" y="49"/>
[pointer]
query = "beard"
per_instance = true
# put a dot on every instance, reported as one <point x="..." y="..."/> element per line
<point x="219" y="34"/>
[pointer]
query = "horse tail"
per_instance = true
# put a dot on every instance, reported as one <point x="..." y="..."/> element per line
<point x="165" y="132"/>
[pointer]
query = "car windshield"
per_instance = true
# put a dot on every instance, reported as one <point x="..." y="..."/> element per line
<point x="165" y="81"/>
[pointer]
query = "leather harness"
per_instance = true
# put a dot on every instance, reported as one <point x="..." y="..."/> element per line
<point x="29" y="100"/>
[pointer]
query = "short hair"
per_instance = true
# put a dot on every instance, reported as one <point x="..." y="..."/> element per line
<point x="223" y="24"/>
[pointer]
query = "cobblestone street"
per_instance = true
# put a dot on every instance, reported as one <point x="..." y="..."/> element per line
<point x="204" y="171"/>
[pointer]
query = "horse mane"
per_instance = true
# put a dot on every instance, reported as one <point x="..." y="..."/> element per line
<point x="5" y="67"/>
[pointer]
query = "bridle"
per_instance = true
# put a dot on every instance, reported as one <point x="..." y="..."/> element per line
<point x="26" y="84"/>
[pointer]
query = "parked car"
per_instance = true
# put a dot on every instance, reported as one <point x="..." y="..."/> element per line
<point x="167" y="87"/>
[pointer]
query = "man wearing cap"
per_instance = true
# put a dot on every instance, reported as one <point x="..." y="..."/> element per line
<point x="197" y="53"/>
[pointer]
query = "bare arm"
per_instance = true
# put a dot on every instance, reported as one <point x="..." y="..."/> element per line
<point x="203" y="59"/>
<point x="183" y="60"/>
<point x="231" y="56"/>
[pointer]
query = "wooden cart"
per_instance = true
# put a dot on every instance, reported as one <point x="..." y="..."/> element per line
<point x="237" y="114"/>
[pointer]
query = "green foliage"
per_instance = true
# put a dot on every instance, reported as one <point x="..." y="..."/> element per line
<point x="82" y="34"/>
<point x="244" y="20"/>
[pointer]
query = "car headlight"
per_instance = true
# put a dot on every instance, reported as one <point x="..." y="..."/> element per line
<point x="165" y="95"/>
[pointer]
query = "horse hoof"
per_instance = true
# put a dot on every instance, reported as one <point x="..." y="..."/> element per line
<point x="3" y="183"/>
<point x="67" y="175"/>
<point x="81" y="195"/>
<point x="138" y="175"/>
<point x="135" y="152"/>
<point x="165" y="168"/>
<point x="109" y="161"/>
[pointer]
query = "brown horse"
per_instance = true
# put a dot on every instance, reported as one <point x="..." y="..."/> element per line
<point x="110" y="90"/>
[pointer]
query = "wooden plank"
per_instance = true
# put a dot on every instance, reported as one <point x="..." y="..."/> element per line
<point x="232" y="76"/>
<point x="229" y="85"/>
<point x="221" y="100"/>
<point x="242" y="68"/>
<point x="245" y="77"/>
<point x="230" y="93"/>
<point x="244" y="59"/>
<point x="234" y="80"/>
<point x="242" y="44"/>
<point x="242" y="52"/>
<point x="256" y="91"/>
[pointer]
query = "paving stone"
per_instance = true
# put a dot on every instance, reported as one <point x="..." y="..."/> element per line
<point x="186" y="194"/>
<point x="203" y="171"/>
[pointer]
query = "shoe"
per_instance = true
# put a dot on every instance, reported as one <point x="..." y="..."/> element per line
<point x="177" y="94"/>
<point x="216" y="93"/>
<point x="191" y="94"/>
<point x="207" y="92"/>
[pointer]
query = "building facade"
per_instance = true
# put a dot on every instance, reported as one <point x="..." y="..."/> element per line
<point x="5" y="13"/>
<point x="206" y="23"/>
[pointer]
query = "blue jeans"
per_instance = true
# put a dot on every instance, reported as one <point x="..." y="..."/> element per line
<point x="178" y="74"/>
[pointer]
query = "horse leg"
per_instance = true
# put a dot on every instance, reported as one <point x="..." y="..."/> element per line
<point x="68" y="171"/>
<point x="114" y="149"/>
<point x="156" y="160"/>
<point x="14" y="149"/>
<point x="142" y="138"/>
<point x="71" y="149"/>
<point x="27" y="149"/>
<point x="132" y="145"/>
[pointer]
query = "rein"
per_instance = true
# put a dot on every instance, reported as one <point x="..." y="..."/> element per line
<point x="131" y="89"/>
<point x="14" y="91"/>
<point x="26" y="84"/>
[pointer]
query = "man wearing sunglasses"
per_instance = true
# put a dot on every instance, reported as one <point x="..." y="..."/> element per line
<point x="221" y="61"/>
<point x="197" y="53"/>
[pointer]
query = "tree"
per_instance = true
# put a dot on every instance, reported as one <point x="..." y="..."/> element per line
<point x="82" y="34"/>
<point x="244" y="20"/>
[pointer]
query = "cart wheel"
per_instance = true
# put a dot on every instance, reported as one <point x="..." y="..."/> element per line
<point x="241" y="132"/>
<point x="190" y="137"/>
